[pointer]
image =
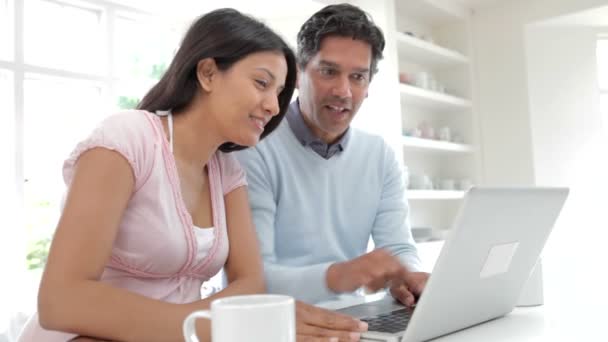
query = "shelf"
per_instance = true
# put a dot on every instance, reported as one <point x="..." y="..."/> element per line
<point x="427" y="99"/>
<point x="434" y="194"/>
<point x="424" y="53"/>
<point x="436" y="145"/>
<point x="433" y="12"/>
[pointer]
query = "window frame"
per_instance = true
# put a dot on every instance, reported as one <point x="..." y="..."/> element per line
<point x="603" y="91"/>
<point x="108" y="81"/>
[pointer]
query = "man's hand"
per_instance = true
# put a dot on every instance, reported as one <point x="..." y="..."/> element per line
<point x="372" y="270"/>
<point x="409" y="290"/>
<point x="314" y="324"/>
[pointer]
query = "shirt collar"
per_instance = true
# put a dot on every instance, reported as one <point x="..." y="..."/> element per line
<point x="305" y="135"/>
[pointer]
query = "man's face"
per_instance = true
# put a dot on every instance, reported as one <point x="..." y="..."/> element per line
<point x="333" y="85"/>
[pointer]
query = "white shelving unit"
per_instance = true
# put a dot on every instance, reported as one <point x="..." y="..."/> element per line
<point x="423" y="52"/>
<point x="427" y="99"/>
<point x="432" y="39"/>
<point x="435" y="194"/>
<point x="435" y="145"/>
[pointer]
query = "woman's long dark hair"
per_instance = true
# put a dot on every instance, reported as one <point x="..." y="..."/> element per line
<point x="227" y="36"/>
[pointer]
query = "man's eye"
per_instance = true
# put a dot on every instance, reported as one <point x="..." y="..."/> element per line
<point x="359" y="77"/>
<point x="327" y="71"/>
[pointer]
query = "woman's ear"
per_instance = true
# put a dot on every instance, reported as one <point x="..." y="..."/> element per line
<point x="206" y="69"/>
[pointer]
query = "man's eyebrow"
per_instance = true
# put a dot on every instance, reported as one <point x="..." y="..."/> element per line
<point x="268" y="72"/>
<point x="328" y="63"/>
<point x="335" y="65"/>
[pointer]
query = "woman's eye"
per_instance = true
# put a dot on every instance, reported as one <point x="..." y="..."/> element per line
<point x="262" y="83"/>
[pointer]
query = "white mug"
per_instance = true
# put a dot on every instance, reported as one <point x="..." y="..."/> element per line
<point x="252" y="318"/>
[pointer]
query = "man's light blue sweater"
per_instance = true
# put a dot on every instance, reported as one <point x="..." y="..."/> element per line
<point x="310" y="212"/>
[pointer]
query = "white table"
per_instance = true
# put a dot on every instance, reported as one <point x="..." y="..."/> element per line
<point x="570" y="321"/>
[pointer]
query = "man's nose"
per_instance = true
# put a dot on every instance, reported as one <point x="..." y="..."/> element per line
<point x="342" y="88"/>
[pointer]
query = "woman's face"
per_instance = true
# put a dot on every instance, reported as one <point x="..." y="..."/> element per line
<point x="245" y="97"/>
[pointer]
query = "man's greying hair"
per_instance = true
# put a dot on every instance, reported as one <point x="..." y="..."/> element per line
<point x="341" y="20"/>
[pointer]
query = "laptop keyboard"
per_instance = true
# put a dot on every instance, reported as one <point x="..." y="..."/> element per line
<point x="391" y="322"/>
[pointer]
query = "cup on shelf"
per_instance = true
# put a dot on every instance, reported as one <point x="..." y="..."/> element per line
<point x="428" y="38"/>
<point x="420" y="182"/>
<point x="426" y="130"/>
<point x="422" y="80"/>
<point x="445" y="134"/>
<point x="416" y="133"/>
<point x="421" y="234"/>
<point x="405" y="78"/>
<point x="447" y="184"/>
<point x="465" y="184"/>
<point x="255" y="318"/>
<point x="457" y="138"/>
<point x="440" y="234"/>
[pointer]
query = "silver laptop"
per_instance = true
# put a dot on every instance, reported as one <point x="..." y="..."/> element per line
<point x="489" y="254"/>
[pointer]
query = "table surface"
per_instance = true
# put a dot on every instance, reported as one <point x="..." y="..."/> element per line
<point x="568" y="321"/>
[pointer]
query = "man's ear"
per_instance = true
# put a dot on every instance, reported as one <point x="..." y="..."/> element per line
<point x="206" y="69"/>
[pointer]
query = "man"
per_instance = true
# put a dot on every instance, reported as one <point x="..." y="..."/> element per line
<point x="319" y="188"/>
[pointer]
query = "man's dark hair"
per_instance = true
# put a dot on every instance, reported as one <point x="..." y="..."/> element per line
<point x="342" y="20"/>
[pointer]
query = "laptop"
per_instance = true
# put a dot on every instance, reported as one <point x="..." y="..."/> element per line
<point x="489" y="254"/>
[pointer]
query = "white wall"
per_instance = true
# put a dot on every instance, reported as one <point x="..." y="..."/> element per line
<point x="569" y="148"/>
<point x="563" y="99"/>
<point x="540" y="124"/>
<point x="502" y="90"/>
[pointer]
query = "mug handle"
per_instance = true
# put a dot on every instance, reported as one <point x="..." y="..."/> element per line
<point x="188" y="327"/>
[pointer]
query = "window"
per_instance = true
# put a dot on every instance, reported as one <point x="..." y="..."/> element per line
<point x="7" y="131"/>
<point x="66" y="36"/>
<point x="68" y="87"/>
<point x="6" y="30"/>
<point x="143" y="52"/>
<point x="602" y="68"/>
<point x="58" y="113"/>
<point x="7" y="145"/>
<point x="64" y="65"/>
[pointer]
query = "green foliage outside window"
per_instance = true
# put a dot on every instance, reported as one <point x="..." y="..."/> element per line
<point x="126" y="102"/>
<point x="37" y="251"/>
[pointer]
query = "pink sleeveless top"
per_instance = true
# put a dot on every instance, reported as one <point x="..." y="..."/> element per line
<point x="155" y="251"/>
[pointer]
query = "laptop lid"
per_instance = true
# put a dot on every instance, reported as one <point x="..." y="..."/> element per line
<point x="491" y="250"/>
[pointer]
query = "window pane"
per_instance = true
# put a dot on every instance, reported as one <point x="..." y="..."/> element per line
<point x="6" y="30"/>
<point x="7" y="131"/>
<point x="604" y="110"/>
<point x="602" y="63"/>
<point x="144" y="49"/>
<point x="64" y="36"/>
<point x="11" y="236"/>
<point x="58" y="113"/>
<point x="8" y="176"/>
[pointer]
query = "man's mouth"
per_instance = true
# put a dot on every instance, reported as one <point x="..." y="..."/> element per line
<point x="337" y="109"/>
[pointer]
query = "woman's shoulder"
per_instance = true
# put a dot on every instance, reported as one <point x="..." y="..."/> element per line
<point x="132" y="123"/>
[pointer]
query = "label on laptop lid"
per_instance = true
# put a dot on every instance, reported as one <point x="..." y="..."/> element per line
<point x="498" y="260"/>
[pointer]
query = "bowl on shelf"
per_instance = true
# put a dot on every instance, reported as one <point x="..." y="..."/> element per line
<point x="422" y="234"/>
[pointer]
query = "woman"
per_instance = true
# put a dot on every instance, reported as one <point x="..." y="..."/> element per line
<point x="154" y="198"/>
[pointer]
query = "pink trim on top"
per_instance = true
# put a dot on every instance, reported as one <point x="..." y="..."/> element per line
<point x="189" y="267"/>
